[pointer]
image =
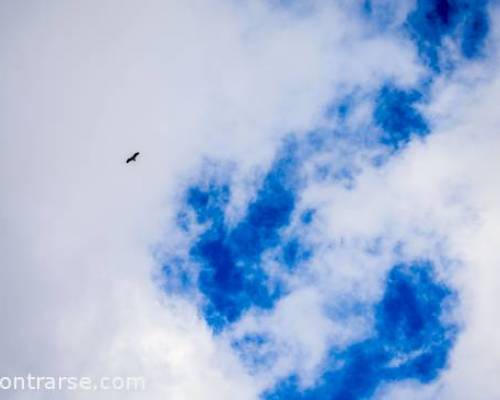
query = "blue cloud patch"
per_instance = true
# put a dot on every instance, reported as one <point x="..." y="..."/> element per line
<point x="396" y="115"/>
<point x="464" y="21"/>
<point x="475" y="31"/>
<point x="294" y="252"/>
<point x="410" y="342"/>
<point x="256" y="351"/>
<point x="230" y="273"/>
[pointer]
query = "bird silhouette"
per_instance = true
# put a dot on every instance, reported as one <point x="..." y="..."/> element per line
<point x="133" y="157"/>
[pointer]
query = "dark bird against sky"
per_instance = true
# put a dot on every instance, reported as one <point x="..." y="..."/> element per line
<point x="133" y="157"/>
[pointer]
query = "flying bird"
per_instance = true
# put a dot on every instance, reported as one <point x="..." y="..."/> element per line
<point x="133" y="157"/>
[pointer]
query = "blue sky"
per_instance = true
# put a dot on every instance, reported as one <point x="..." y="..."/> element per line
<point x="313" y="215"/>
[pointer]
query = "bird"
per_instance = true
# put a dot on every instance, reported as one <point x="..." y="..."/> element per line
<point x="133" y="157"/>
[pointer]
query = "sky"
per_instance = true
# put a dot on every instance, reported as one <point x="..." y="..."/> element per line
<point x="314" y="213"/>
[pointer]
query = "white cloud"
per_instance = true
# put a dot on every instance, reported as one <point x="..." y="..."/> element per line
<point x="84" y="84"/>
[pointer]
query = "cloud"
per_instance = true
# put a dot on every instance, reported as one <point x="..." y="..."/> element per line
<point x="275" y="267"/>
